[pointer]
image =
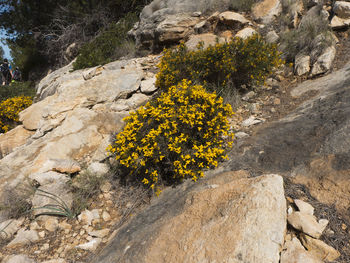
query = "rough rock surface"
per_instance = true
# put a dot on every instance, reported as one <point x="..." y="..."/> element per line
<point x="310" y="145"/>
<point x="294" y="252"/>
<point x="75" y="118"/>
<point x="13" y="139"/>
<point x="267" y="10"/>
<point x="237" y="215"/>
<point x="208" y="39"/>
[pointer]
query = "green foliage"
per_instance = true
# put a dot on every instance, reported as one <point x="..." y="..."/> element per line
<point x="85" y="187"/>
<point x="9" y="110"/>
<point x="17" y="89"/>
<point x="111" y="44"/>
<point x="239" y="62"/>
<point x="174" y="136"/>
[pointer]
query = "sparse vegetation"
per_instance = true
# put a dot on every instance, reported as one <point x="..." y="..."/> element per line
<point x="85" y="187"/>
<point x="17" y="89"/>
<point x="173" y="137"/>
<point x="313" y="34"/>
<point x="111" y="44"/>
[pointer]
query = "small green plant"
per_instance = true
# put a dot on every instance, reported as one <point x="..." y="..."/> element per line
<point x="84" y="187"/>
<point x="240" y="62"/>
<point x="111" y="44"/>
<point x="57" y="208"/>
<point x="174" y="136"/>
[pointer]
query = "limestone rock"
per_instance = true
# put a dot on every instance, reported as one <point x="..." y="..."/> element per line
<point x="92" y="72"/>
<point x="342" y="9"/>
<point x="91" y="245"/>
<point x="339" y="23"/>
<point x="99" y="233"/>
<point x="98" y="169"/>
<point x="267" y="10"/>
<point x="9" y="227"/>
<point x="302" y="64"/>
<point x="148" y="85"/>
<point x="24" y="237"/>
<point x="319" y="249"/>
<point x="245" y="33"/>
<point x="58" y="260"/>
<point x="87" y="216"/>
<point x="175" y="27"/>
<point x="324" y="62"/>
<point x="208" y="39"/>
<point x="51" y="224"/>
<point x="307" y="224"/>
<point x="241" y="135"/>
<point x="294" y="252"/>
<point x="48" y="195"/>
<point x="251" y="121"/>
<point x="18" y="259"/>
<point x="233" y="19"/>
<point x="304" y="208"/>
<point x="106" y="216"/>
<point x="13" y="139"/>
<point x="49" y="177"/>
<point x="237" y="214"/>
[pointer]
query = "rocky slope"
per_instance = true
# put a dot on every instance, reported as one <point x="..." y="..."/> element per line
<point x="291" y="145"/>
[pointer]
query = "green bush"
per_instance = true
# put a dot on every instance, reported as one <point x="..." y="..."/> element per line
<point x="17" y="89"/>
<point x="239" y="62"/>
<point x="173" y="137"/>
<point x="110" y="45"/>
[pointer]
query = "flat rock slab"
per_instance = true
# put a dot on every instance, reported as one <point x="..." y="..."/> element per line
<point x="219" y="219"/>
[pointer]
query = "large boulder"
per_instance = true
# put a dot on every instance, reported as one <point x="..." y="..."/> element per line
<point x="224" y="218"/>
<point x="13" y="139"/>
<point x="342" y="9"/>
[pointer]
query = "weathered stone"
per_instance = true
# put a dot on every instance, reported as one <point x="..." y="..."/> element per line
<point x="92" y="245"/>
<point x="92" y="72"/>
<point x="233" y="19"/>
<point x="342" y="9"/>
<point x="324" y="62"/>
<point x="294" y="252"/>
<point x="207" y="39"/>
<point x="9" y="227"/>
<point x="51" y="224"/>
<point x="302" y="64"/>
<point x="49" y="177"/>
<point x="245" y="33"/>
<point x="57" y="260"/>
<point x="148" y="85"/>
<point x="87" y="216"/>
<point x="319" y="249"/>
<point x="267" y="10"/>
<point x="99" y="233"/>
<point x="98" y="169"/>
<point x="237" y="215"/>
<point x="241" y="135"/>
<point x="18" y="259"/>
<point x="12" y="139"/>
<point x="251" y="121"/>
<point x="304" y="207"/>
<point x="306" y="223"/>
<point x="339" y="23"/>
<point x="106" y="216"/>
<point x="52" y="194"/>
<point x="24" y="237"/>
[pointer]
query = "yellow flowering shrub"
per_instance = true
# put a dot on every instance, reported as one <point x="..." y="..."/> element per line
<point x="174" y="136"/>
<point x="9" y="110"/>
<point x="237" y="62"/>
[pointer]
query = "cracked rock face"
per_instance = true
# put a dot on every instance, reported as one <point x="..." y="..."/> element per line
<point x="73" y="119"/>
